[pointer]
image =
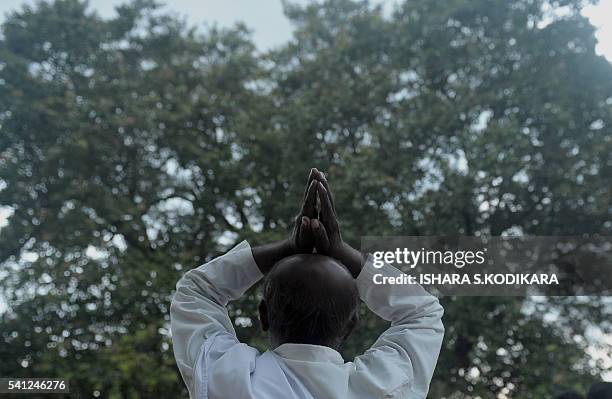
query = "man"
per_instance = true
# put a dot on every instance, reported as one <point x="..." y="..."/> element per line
<point x="309" y="308"/>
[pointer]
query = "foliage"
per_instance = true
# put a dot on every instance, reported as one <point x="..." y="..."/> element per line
<point x="135" y="148"/>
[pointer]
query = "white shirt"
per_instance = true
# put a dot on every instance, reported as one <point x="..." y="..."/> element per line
<point x="215" y="365"/>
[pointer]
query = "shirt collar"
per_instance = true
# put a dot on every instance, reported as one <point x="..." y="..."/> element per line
<point x="309" y="353"/>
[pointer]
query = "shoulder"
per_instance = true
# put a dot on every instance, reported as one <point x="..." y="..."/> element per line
<point x="225" y="361"/>
<point x="223" y="346"/>
<point x="377" y="371"/>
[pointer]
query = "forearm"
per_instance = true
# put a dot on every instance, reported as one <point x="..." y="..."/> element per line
<point x="398" y="303"/>
<point x="267" y="255"/>
<point x="198" y="308"/>
<point x="351" y="258"/>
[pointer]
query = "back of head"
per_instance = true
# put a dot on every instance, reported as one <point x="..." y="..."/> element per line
<point x="310" y="299"/>
<point x="600" y="390"/>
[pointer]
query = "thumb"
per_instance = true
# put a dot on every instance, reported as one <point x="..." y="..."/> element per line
<point x="320" y="235"/>
<point x="305" y="239"/>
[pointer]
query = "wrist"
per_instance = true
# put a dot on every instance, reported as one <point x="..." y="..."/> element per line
<point x="349" y="257"/>
<point x="341" y="250"/>
<point x="267" y="255"/>
<point x="287" y="247"/>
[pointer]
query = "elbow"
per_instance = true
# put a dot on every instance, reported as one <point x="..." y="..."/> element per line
<point x="439" y="324"/>
<point x="174" y="305"/>
<point x="432" y="309"/>
<point x="185" y="284"/>
<point x="434" y="314"/>
<point x="182" y="289"/>
<point x="439" y="312"/>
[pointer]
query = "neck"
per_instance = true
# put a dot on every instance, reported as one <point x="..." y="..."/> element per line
<point x="275" y="343"/>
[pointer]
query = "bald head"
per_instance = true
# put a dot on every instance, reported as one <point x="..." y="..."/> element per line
<point x="314" y="273"/>
<point x="310" y="299"/>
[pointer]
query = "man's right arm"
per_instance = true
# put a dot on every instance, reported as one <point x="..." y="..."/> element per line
<point x="402" y="360"/>
<point x="405" y="355"/>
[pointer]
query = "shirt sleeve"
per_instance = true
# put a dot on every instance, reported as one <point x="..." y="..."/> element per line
<point x="198" y="308"/>
<point x="404" y="357"/>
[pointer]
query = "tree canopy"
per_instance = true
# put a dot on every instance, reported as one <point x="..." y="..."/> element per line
<point x="135" y="148"/>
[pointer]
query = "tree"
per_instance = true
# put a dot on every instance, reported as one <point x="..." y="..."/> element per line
<point x="446" y="118"/>
<point x="117" y="155"/>
<point x="135" y="148"/>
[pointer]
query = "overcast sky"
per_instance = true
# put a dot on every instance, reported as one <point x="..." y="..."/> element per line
<point x="271" y="28"/>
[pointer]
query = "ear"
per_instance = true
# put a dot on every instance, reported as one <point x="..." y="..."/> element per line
<point x="350" y="326"/>
<point x="263" y="315"/>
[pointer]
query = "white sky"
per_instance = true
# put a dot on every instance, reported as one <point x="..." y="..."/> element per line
<point x="271" y="28"/>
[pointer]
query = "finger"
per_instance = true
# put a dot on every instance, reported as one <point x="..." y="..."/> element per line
<point x="327" y="209"/>
<point x="323" y="180"/>
<point x="309" y="208"/>
<point x="320" y="237"/>
<point x="305" y="224"/>
<point x="311" y="176"/>
<point x="305" y="234"/>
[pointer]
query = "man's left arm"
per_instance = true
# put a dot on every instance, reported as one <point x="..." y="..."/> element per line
<point x="198" y="308"/>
